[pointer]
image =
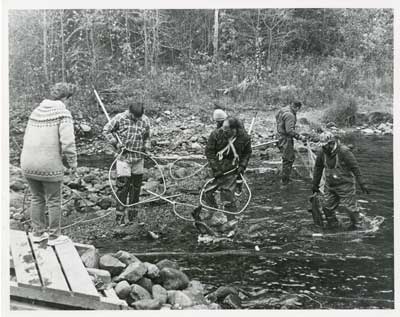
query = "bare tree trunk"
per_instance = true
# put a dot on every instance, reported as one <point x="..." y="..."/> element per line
<point x="258" y="47"/>
<point x="46" y="73"/>
<point x="155" y="41"/>
<point x="62" y="48"/>
<point x="215" y="42"/>
<point x="110" y="36"/>
<point x="146" y="50"/>
<point x="127" y="36"/>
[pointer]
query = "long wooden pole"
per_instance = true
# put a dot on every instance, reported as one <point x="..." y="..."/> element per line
<point x="106" y="113"/>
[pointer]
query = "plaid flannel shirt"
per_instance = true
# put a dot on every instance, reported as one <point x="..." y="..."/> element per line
<point x="132" y="132"/>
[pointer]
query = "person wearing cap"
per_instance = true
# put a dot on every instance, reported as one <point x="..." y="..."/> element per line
<point x="341" y="174"/>
<point x="286" y="119"/>
<point x="219" y="116"/>
<point x="49" y="142"/>
<point x="133" y="129"/>
<point x="228" y="151"/>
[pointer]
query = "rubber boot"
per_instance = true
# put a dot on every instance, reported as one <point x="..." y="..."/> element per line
<point x="332" y="222"/>
<point x="122" y="193"/>
<point x="355" y="221"/>
<point x="238" y="190"/>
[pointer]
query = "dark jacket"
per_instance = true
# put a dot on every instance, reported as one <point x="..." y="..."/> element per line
<point x="347" y="162"/>
<point x="217" y="141"/>
<point x="286" y="123"/>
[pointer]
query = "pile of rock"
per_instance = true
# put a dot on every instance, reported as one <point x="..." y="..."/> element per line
<point x="147" y="286"/>
<point x="381" y="129"/>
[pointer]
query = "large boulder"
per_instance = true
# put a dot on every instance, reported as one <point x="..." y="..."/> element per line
<point x="159" y="293"/>
<point x="153" y="271"/>
<point x="137" y="293"/>
<point x="179" y="299"/>
<point x="91" y="258"/>
<point x="147" y="304"/>
<point x="133" y="272"/>
<point x="146" y="283"/>
<point x="167" y="263"/>
<point x="126" y="257"/>
<point x="122" y="289"/>
<point x="111" y="264"/>
<point x="172" y="279"/>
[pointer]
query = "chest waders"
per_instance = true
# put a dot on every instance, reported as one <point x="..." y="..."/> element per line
<point x="286" y="147"/>
<point x="340" y="188"/>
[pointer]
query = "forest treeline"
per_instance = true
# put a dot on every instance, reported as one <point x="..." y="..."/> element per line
<point x="323" y="56"/>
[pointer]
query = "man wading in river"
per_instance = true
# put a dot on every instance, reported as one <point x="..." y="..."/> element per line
<point x="341" y="174"/>
<point x="228" y="152"/>
<point x="286" y="128"/>
<point x="133" y="129"/>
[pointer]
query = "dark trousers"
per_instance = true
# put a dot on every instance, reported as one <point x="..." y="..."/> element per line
<point x="286" y="146"/>
<point x="227" y="185"/>
<point x="129" y="186"/>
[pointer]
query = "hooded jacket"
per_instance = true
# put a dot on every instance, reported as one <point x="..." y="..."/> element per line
<point x="286" y="123"/>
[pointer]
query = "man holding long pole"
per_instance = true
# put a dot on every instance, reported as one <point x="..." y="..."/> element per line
<point x="127" y="132"/>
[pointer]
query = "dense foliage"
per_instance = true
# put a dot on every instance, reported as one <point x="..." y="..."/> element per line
<point x="263" y="56"/>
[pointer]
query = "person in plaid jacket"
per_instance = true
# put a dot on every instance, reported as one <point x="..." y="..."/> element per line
<point x="133" y="129"/>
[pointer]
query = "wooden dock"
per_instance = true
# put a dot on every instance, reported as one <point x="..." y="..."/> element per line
<point x="53" y="276"/>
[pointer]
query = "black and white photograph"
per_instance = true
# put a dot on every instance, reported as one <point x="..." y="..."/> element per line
<point x="199" y="158"/>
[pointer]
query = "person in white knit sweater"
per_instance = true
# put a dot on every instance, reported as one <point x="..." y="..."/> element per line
<point x="48" y="141"/>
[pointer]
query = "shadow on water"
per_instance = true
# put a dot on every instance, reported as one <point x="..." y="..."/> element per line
<point x="341" y="270"/>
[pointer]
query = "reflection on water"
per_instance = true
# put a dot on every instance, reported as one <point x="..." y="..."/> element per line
<point x="339" y="269"/>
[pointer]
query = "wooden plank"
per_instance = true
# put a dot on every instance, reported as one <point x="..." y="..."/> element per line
<point x="24" y="262"/>
<point x="52" y="296"/>
<point x="74" y="270"/>
<point x="19" y="305"/>
<point x="49" y="267"/>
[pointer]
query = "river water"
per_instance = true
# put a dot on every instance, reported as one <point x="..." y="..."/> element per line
<point x="280" y="255"/>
